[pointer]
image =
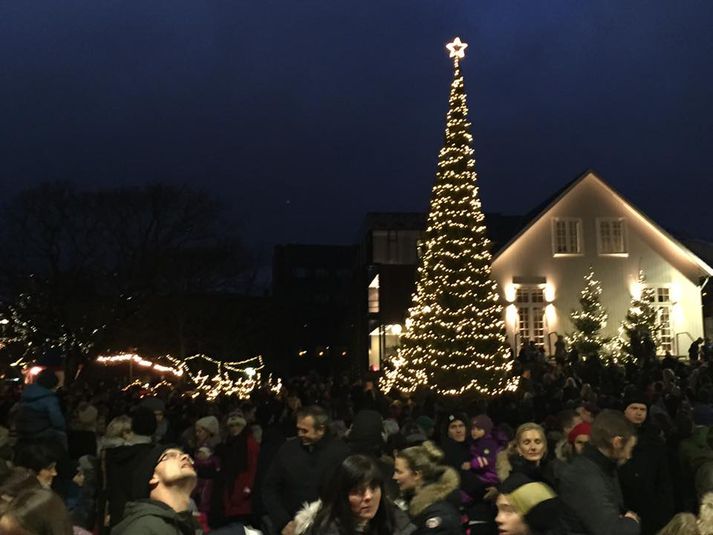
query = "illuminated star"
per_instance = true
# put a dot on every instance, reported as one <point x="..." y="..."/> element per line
<point x="457" y="48"/>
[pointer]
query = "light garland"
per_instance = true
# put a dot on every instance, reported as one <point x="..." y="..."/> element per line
<point x="455" y="339"/>
<point x="230" y="379"/>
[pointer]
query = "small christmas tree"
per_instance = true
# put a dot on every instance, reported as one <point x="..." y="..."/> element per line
<point x="455" y="335"/>
<point x="639" y="333"/>
<point x="590" y="319"/>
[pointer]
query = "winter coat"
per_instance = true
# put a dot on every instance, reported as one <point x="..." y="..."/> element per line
<point x="592" y="497"/>
<point x="305" y="518"/>
<point x="483" y="454"/>
<point x="238" y="492"/>
<point x="151" y="517"/>
<point x="646" y="482"/>
<point x="432" y="509"/>
<point x="127" y="471"/>
<point x="297" y="474"/>
<point x="455" y="454"/>
<point x="39" y="415"/>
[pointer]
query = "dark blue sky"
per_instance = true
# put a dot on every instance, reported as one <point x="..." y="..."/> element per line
<point x="306" y="114"/>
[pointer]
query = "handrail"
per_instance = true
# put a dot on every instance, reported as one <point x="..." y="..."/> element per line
<point x="678" y="348"/>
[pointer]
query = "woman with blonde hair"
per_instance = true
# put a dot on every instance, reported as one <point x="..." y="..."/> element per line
<point x="681" y="524"/>
<point x="525" y="454"/>
<point x="430" y="489"/>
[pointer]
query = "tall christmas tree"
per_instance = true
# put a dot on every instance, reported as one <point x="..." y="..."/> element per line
<point x="455" y="335"/>
<point x="590" y="319"/>
<point x="639" y="333"/>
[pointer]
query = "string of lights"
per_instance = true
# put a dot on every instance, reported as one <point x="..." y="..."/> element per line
<point x="455" y="339"/>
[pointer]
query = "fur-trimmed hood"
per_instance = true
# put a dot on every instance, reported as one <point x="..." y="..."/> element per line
<point x="305" y="516"/>
<point x="434" y="492"/>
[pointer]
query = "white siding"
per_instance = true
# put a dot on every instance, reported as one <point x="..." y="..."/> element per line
<point x="662" y="260"/>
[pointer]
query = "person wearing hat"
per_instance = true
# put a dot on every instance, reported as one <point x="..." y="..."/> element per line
<point x="238" y="455"/>
<point x="589" y="486"/>
<point x="163" y="432"/>
<point x="646" y="479"/>
<point x="166" y="510"/>
<point x="527" y="507"/>
<point x="579" y="436"/>
<point x="39" y="414"/>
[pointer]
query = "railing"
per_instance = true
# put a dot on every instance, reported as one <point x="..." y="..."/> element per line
<point x="678" y="347"/>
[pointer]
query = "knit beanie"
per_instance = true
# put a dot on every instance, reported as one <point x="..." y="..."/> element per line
<point x="153" y="403"/>
<point x="534" y="501"/>
<point x="210" y="424"/>
<point x="47" y="378"/>
<point x="583" y="428"/>
<point x="87" y="417"/>
<point x="635" y="396"/>
<point x="237" y="418"/>
<point x="144" y="470"/>
<point x="143" y="421"/>
<point x="460" y="416"/>
<point x="426" y="424"/>
<point x="483" y="421"/>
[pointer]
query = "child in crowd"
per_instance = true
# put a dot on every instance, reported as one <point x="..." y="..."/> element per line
<point x="483" y="450"/>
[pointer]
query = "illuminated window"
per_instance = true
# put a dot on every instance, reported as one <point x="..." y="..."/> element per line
<point x="531" y="317"/>
<point x="663" y="305"/>
<point x="611" y="236"/>
<point x="566" y="236"/>
<point x="373" y="299"/>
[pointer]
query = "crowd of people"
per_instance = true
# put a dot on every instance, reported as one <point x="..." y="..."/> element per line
<point x="585" y="446"/>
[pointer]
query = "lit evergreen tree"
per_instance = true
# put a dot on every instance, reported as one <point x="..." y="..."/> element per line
<point x="590" y="319"/>
<point x="455" y="335"/>
<point x="639" y="333"/>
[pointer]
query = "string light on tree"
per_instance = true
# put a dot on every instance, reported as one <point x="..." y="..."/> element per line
<point x="639" y="334"/>
<point x="590" y="319"/>
<point x="455" y="340"/>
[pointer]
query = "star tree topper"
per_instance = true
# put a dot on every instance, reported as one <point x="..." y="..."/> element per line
<point x="457" y="48"/>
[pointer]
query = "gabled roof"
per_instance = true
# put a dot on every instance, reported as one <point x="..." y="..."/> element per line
<point x="541" y="210"/>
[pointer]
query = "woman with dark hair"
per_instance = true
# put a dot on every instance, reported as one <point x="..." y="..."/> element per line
<point x="431" y="489"/>
<point x="36" y="512"/>
<point x="353" y="502"/>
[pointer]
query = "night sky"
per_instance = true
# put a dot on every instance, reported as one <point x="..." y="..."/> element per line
<point x="303" y="115"/>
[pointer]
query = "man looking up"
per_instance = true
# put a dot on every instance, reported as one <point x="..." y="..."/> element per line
<point x="300" y="467"/>
<point x="172" y="480"/>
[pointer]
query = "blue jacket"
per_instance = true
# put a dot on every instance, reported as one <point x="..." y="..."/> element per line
<point x="44" y="409"/>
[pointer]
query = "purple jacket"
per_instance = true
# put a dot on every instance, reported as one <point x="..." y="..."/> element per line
<point x="482" y="459"/>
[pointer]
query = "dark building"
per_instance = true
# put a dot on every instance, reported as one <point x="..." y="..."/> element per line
<point x="386" y="276"/>
<point x="314" y="313"/>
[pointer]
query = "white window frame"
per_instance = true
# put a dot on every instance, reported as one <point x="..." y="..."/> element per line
<point x="568" y="236"/>
<point x="624" y="253"/>
<point x="530" y="302"/>
<point x="664" y="308"/>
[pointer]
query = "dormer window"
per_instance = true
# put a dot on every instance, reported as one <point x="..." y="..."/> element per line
<point x="611" y="236"/>
<point x="566" y="236"/>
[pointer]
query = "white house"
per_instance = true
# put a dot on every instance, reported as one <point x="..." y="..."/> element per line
<point x="540" y="271"/>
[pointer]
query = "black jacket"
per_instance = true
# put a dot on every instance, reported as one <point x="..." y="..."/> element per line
<point x="646" y="482"/>
<point x="433" y="508"/>
<point x="592" y="497"/>
<point x="297" y="474"/>
<point x="151" y="517"/>
<point x="127" y="471"/>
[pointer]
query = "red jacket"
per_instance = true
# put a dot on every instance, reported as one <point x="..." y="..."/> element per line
<point x="237" y="498"/>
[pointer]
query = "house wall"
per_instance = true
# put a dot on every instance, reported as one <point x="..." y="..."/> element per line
<point x="663" y="261"/>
